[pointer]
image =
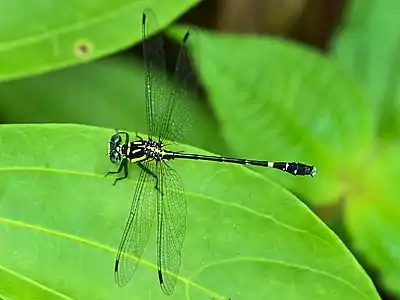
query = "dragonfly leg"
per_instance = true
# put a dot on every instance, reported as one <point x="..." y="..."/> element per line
<point x="123" y="165"/>
<point x="139" y="137"/>
<point x="148" y="171"/>
<point x="126" y="136"/>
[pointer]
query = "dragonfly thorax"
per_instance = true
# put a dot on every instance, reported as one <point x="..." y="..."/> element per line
<point x="142" y="150"/>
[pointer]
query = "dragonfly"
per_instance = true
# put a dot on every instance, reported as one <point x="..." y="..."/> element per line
<point x="159" y="191"/>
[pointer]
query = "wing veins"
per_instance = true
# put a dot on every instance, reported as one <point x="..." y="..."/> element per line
<point x="171" y="227"/>
<point x="137" y="230"/>
<point x="176" y="117"/>
<point x="154" y="59"/>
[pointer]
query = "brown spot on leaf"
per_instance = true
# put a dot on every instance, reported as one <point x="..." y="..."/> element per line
<point x="83" y="48"/>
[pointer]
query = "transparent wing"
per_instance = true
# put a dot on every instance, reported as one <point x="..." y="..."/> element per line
<point x="171" y="227"/>
<point x="176" y="121"/>
<point x="137" y="229"/>
<point x="155" y="78"/>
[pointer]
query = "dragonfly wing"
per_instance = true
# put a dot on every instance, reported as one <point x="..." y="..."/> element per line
<point x="155" y="78"/>
<point x="171" y="227"/>
<point x="137" y="229"/>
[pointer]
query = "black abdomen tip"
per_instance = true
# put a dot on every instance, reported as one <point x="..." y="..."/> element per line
<point x="296" y="168"/>
<point x="302" y="169"/>
<point x="313" y="171"/>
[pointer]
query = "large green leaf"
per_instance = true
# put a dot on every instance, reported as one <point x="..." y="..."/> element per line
<point x="368" y="47"/>
<point x="45" y="35"/>
<point x="279" y="101"/>
<point x="247" y="238"/>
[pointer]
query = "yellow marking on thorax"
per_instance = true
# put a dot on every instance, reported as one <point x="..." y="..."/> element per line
<point x="136" y="150"/>
<point x="139" y="159"/>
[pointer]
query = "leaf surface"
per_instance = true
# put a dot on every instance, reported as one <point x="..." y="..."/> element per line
<point x="247" y="237"/>
<point x="36" y="37"/>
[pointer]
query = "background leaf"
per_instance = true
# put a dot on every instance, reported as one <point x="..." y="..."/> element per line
<point x="286" y="102"/>
<point x="69" y="33"/>
<point x="373" y="218"/>
<point x="368" y="47"/>
<point x="59" y="215"/>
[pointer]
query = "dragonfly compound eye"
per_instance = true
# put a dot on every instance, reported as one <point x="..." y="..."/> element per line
<point x="115" y="157"/>
<point x="115" y="139"/>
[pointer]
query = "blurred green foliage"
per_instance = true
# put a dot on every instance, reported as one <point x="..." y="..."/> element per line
<point x="247" y="237"/>
<point x="368" y="48"/>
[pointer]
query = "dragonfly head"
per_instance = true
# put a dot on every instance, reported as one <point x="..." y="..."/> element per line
<point x="114" y="148"/>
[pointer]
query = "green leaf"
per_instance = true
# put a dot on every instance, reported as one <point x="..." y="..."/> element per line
<point x="106" y="93"/>
<point x="247" y="238"/>
<point x="368" y="47"/>
<point x="373" y="216"/>
<point x="279" y="101"/>
<point x="44" y="35"/>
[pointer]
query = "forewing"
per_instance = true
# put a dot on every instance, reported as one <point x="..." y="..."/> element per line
<point x="137" y="229"/>
<point x="176" y="122"/>
<point x="171" y="227"/>
<point x="155" y="78"/>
